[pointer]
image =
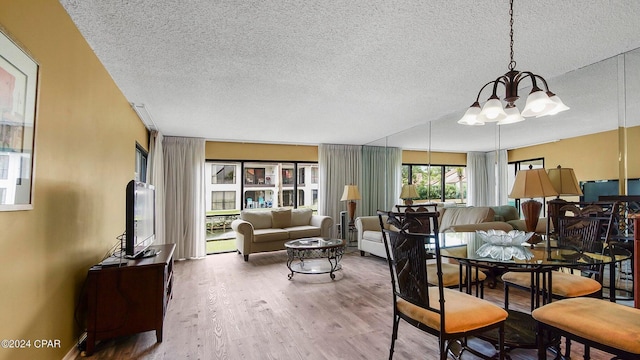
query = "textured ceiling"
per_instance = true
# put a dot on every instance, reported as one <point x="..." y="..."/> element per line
<point x="355" y="72"/>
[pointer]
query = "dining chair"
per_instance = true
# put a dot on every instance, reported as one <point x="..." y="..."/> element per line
<point x="452" y="276"/>
<point x="605" y="325"/>
<point x="582" y="228"/>
<point x="448" y="314"/>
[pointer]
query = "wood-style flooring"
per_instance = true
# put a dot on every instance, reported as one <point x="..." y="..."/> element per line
<point x="225" y="308"/>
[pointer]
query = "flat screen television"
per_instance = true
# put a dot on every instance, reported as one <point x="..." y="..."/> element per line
<point x="140" y="218"/>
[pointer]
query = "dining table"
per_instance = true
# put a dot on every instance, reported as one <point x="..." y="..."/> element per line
<point x="543" y="259"/>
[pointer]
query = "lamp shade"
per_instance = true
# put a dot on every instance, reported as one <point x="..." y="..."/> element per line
<point x="409" y="191"/>
<point x="564" y="181"/>
<point x="350" y="193"/>
<point x="531" y="184"/>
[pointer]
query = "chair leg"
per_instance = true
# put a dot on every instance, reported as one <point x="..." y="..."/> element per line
<point x="506" y="296"/>
<point x="567" y="351"/>
<point x="542" y="350"/>
<point x="501" y="342"/>
<point x="394" y="334"/>
<point x="444" y="354"/>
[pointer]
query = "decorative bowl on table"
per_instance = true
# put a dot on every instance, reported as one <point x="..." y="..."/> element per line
<point x="501" y="245"/>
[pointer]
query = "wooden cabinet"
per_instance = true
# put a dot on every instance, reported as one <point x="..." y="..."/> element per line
<point x="129" y="299"/>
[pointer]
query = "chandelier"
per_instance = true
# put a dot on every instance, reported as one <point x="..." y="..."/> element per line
<point x="539" y="102"/>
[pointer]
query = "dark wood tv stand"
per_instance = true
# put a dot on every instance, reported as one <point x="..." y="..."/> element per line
<point x="129" y="299"/>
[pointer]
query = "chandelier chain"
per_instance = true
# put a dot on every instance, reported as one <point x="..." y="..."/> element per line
<point x="512" y="63"/>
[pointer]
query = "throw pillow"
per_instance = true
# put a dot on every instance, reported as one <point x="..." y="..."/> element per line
<point x="281" y="218"/>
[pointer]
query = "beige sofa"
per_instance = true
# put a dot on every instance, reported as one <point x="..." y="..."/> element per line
<point x="263" y="230"/>
<point x="459" y="219"/>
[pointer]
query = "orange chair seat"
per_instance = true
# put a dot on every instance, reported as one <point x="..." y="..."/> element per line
<point x="451" y="274"/>
<point x="464" y="312"/>
<point x="563" y="284"/>
<point x="598" y="320"/>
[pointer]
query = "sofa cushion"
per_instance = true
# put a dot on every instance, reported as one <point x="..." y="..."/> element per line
<point x="371" y="235"/>
<point x="267" y="235"/>
<point x="260" y="219"/>
<point x="298" y="232"/>
<point x="465" y="215"/>
<point x="300" y="217"/>
<point x="280" y="218"/>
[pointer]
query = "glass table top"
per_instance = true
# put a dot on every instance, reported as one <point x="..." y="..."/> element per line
<point x="464" y="246"/>
<point x="313" y="242"/>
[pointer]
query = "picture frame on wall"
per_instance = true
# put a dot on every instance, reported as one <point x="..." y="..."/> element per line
<point x="18" y="91"/>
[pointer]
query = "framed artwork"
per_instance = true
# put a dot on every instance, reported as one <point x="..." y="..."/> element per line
<point x="18" y="89"/>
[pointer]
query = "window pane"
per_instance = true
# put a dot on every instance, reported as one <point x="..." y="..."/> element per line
<point x="427" y="180"/>
<point x="4" y="167"/>
<point x="223" y="174"/>
<point x="455" y="182"/>
<point x="223" y="200"/>
<point x="222" y="189"/>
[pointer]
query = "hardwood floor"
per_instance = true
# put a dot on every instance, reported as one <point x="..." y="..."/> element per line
<point x="225" y="308"/>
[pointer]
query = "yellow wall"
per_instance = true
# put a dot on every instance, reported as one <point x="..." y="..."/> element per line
<point x="633" y="152"/>
<point x="592" y="157"/>
<point x="215" y="150"/>
<point x="85" y="154"/>
<point x="440" y="158"/>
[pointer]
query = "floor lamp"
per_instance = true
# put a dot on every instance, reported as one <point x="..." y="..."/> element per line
<point x="532" y="183"/>
<point x="351" y="194"/>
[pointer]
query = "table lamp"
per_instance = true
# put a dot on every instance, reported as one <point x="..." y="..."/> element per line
<point x="565" y="183"/>
<point x="408" y="193"/>
<point x="351" y="194"/>
<point x="531" y="184"/>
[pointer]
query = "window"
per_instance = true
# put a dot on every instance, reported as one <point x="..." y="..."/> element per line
<point x="314" y="174"/>
<point x="223" y="174"/>
<point x="254" y="176"/>
<point x="430" y="180"/>
<point x="287" y="198"/>
<point x="223" y="200"/>
<point x="259" y="184"/>
<point x="3" y="195"/>
<point x="4" y="167"/>
<point x="141" y="164"/>
<point x="287" y="176"/>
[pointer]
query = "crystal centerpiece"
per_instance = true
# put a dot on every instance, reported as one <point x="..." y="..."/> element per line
<point x="501" y="245"/>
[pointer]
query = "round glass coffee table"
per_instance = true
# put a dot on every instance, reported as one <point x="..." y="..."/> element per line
<point x="315" y="256"/>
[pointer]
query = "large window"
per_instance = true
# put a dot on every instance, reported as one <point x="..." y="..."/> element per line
<point x="437" y="183"/>
<point x="223" y="174"/>
<point x="263" y="184"/>
<point x="223" y="200"/>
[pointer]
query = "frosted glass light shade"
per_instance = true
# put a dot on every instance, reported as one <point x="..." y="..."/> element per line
<point x="513" y="116"/>
<point x="492" y="111"/>
<point x="559" y="106"/>
<point x="538" y="103"/>
<point x="470" y="117"/>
